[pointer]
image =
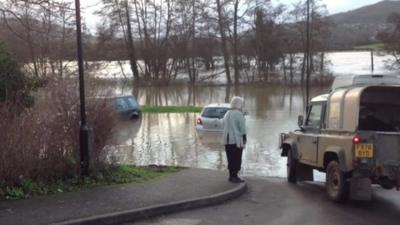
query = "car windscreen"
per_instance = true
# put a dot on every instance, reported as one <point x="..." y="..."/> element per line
<point x="131" y="102"/>
<point x="214" y="112"/>
<point x="125" y="103"/>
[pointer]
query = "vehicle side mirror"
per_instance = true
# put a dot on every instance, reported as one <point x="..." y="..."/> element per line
<point x="300" y="121"/>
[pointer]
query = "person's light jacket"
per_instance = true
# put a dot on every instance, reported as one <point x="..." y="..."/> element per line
<point x="234" y="128"/>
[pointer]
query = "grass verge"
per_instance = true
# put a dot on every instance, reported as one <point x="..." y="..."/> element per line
<point x="171" y="109"/>
<point x="374" y="47"/>
<point x="107" y="175"/>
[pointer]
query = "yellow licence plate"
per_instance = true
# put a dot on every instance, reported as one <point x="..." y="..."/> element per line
<point x="364" y="150"/>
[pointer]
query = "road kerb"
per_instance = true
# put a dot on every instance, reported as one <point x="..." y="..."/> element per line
<point x="157" y="210"/>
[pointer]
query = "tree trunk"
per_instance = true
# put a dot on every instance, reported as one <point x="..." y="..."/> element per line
<point x="303" y="67"/>
<point x="190" y="71"/>
<point x="321" y="68"/>
<point x="284" y="67"/>
<point x="131" y="46"/>
<point x="291" y="67"/>
<point x="223" y="43"/>
<point x="235" y="43"/>
<point x="192" y="61"/>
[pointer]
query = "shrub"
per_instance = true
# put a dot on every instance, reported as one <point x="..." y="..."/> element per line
<point x="43" y="141"/>
<point x="15" y="87"/>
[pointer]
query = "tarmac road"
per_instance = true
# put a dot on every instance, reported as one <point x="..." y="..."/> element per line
<point x="273" y="201"/>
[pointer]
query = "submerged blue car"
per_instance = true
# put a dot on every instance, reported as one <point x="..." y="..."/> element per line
<point x="127" y="107"/>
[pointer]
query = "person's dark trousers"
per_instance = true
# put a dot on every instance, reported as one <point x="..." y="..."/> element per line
<point x="234" y="156"/>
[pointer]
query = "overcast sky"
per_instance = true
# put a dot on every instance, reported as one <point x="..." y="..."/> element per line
<point x="333" y="6"/>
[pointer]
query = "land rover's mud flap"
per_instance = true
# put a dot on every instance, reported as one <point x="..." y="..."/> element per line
<point x="360" y="189"/>
<point x="304" y="173"/>
<point x="398" y="182"/>
<point x="389" y="177"/>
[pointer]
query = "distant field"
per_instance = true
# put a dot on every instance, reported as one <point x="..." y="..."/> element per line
<point x="375" y="47"/>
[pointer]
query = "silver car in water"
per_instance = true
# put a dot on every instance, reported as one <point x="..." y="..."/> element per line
<point x="211" y="117"/>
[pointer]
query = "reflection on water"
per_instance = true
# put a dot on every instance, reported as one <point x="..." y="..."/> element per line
<point x="171" y="139"/>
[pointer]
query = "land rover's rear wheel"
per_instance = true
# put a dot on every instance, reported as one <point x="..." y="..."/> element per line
<point x="291" y="168"/>
<point x="336" y="185"/>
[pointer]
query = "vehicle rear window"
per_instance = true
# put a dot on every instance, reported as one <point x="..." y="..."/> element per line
<point x="379" y="117"/>
<point x="214" y="112"/>
<point x="380" y="109"/>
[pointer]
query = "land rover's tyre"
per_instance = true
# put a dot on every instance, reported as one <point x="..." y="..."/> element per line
<point x="291" y="168"/>
<point x="336" y="185"/>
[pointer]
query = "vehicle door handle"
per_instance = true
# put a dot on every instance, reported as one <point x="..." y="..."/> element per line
<point x="315" y="141"/>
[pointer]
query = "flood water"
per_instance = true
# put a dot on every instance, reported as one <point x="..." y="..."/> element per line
<point x="171" y="139"/>
<point x="343" y="63"/>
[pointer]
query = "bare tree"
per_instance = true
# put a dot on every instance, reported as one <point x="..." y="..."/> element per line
<point x="154" y="20"/>
<point x="131" y="46"/>
<point x="222" y="30"/>
<point x="290" y="46"/>
<point x="118" y="16"/>
<point x="235" y="41"/>
<point x="185" y="31"/>
<point x="44" y="28"/>
<point x="240" y="11"/>
<point x="319" y="32"/>
<point x="267" y="39"/>
<point x="391" y="36"/>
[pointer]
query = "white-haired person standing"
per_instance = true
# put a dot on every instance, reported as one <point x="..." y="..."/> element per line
<point x="235" y="137"/>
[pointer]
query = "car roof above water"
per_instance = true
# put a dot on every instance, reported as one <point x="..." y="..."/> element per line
<point x="115" y="97"/>
<point x="218" y="105"/>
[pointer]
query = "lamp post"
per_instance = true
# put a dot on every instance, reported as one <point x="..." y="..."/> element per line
<point x="308" y="58"/>
<point x="84" y="130"/>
